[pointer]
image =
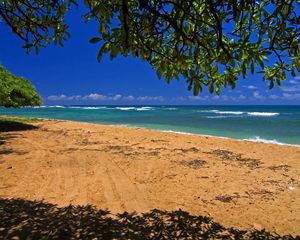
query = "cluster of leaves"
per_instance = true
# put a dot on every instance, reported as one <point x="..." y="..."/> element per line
<point x="16" y="91"/>
<point x="36" y="22"/>
<point x="209" y="43"/>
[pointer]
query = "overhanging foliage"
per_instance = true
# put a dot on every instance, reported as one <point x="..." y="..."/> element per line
<point x="210" y="43"/>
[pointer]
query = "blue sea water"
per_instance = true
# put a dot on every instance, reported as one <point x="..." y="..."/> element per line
<point x="275" y="124"/>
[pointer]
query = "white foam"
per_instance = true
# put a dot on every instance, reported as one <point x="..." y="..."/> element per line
<point x="259" y="114"/>
<point x="135" y="108"/>
<point x="262" y="114"/>
<point x="178" y="132"/>
<point x="207" y="111"/>
<point x="56" y="106"/>
<point x="36" y="107"/>
<point x="222" y="112"/>
<point x="216" y="117"/>
<point x="93" y="108"/>
<point x="144" y="109"/>
<point x="229" y="112"/>
<point x="259" y="139"/>
<point x="254" y="139"/>
<point x="125" y="108"/>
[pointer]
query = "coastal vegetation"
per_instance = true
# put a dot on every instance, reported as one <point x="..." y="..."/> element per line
<point x="10" y="124"/>
<point x="209" y="43"/>
<point x="19" y="120"/>
<point x="16" y="91"/>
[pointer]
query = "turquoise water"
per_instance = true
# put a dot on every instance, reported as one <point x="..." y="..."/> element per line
<point x="277" y="124"/>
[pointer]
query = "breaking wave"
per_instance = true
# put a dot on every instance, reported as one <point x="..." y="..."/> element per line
<point x="125" y="108"/>
<point x="263" y="114"/>
<point x="135" y="108"/>
<point x="144" y="108"/>
<point x="259" y="139"/>
<point x="222" y="112"/>
<point x="259" y="114"/>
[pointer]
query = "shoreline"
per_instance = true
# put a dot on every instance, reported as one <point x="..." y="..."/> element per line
<point x="242" y="184"/>
<point x="259" y="140"/>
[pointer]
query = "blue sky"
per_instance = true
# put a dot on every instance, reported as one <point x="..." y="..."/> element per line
<point x="72" y="75"/>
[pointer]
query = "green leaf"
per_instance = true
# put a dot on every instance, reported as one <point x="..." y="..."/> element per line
<point x="28" y="45"/>
<point x="102" y="50"/>
<point x="261" y="63"/>
<point x="159" y="73"/>
<point x="297" y="64"/>
<point x="215" y="69"/>
<point x="196" y="89"/>
<point x="114" y="52"/>
<point x="252" y="67"/>
<point x="95" y="40"/>
<point x="96" y="9"/>
<point x="211" y="87"/>
<point x="232" y="62"/>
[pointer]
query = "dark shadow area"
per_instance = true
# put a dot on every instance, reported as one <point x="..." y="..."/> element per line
<point x="11" y="126"/>
<point x="24" y="219"/>
<point x="6" y="151"/>
<point x="8" y="131"/>
<point x="3" y="138"/>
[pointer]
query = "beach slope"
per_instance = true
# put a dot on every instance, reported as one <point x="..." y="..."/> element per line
<point x="239" y="184"/>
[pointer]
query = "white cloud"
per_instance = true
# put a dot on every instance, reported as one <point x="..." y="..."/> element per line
<point x="286" y="96"/>
<point x="274" y="97"/>
<point x="258" y="96"/>
<point x="289" y="96"/>
<point x="250" y="87"/>
<point x="192" y="98"/>
<point x="57" y="98"/>
<point x="150" y="98"/>
<point x="181" y="99"/>
<point x="294" y="88"/>
<point x="117" y="97"/>
<point x="95" y="96"/>
<point x="63" y="97"/>
<point x="292" y="85"/>
<point x="293" y="82"/>
<point x="128" y="98"/>
<point x="241" y="97"/>
<point x="217" y="98"/>
<point x="232" y="98"/>
<point x="101" y="97"/>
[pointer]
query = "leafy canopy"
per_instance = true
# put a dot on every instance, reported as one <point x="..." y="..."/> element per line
<point x="16" y="91"/>
<point x="209" y="43"/>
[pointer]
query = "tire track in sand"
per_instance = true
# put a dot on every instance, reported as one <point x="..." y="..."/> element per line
<point x="56" y="184"/>
<point x="119" y="191"/>
<point x="71" y="180"/>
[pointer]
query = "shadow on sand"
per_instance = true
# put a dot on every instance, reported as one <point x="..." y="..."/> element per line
<point x="24" y="219"/>
<point x="8" y="130"/>
<point x="12" y="126"/>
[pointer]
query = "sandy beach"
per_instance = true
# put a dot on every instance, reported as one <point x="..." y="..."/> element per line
<point x="239" y="184"/>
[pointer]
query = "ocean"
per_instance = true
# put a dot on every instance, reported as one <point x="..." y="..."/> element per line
<point x="273" y="124"/>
